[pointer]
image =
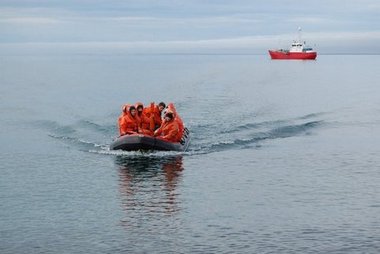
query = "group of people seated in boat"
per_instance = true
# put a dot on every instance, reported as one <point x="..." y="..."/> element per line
<point x="157" y="120"/>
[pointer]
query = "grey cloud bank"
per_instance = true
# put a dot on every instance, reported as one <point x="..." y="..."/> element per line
<point x="335" y="26"/>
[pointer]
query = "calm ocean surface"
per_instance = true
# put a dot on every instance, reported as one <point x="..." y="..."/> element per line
<point x="284" y="156"/>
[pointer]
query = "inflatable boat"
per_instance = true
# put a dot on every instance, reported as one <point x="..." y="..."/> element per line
<point x="137" y="142"/>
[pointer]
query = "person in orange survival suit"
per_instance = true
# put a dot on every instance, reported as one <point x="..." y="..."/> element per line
<point x="127" y="121"/>
<point x="169" y="128"/>
<point x="178" y="119"/>
<point x="145" y="120"/>
<point x="157" y="111"/>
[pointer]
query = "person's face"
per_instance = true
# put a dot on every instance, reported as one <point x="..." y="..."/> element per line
<point x="167" y="119"/>
<point x="161" y="108"/>
<point x="133" y="112"/>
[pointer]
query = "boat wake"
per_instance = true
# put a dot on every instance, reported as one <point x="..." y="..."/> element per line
<point x="93" y="137"/>
<point x="254" y="134"/>
<point x="84" y="135"/>
<point x="255" y="138"/>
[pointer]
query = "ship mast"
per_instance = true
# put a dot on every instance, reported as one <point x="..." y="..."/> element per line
<point x="299" y="34"/>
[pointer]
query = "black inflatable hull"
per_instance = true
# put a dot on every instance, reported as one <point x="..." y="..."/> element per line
<point x="141" y="142"/>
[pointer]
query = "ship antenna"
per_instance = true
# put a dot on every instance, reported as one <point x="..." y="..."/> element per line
<point x="299" y="34"/>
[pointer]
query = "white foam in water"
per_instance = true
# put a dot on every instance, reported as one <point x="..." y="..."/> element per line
<point x="107" y="151"/>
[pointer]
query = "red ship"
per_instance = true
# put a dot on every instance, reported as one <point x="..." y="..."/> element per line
<point x="297" y="51"/>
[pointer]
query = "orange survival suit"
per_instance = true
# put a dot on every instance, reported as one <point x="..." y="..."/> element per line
<point x="145" y="119"/>
<point x="177" y="119"/>
<point x="169" y="129"/>
<point x="127" y="123"/>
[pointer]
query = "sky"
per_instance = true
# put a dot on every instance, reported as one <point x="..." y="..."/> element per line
<point x="188" y="26"/>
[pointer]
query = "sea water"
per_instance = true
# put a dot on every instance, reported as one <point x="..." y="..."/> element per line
<point x="284" y="155"/>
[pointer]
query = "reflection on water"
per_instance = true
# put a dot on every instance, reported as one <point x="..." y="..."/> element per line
<point x="148" y="186"/>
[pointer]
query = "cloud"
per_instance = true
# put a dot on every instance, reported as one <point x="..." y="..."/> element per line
<point x="30" y="21"/>
<point x="325" y="43"/>
<point x="306" y="20"/>
<point x="203" y="20"/>
<point x="184" y="25"/>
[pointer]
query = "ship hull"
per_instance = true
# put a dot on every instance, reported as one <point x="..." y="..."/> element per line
<point x="136" y="142"/>
<point x="286" y="55"/>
